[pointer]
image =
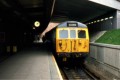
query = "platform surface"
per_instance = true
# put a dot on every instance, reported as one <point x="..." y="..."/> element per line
<point x="31" y="64"/>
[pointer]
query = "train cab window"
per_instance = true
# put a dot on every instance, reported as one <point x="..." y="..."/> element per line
<point x="81" y="34"/>
<point x="72" y="34"/>
<point x="63" y="34"/>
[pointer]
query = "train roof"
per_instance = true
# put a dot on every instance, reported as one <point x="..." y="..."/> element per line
<point x="72" y="24"/>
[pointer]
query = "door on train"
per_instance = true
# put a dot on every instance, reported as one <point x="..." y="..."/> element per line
<point x="83" y="40"/>
<point x="62" y="40"/>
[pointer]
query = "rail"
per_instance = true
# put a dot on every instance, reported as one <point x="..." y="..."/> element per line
<point x="77" y="73"/>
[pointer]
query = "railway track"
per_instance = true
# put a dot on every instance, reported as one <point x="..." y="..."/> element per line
<point x="74" y="69"/>
<point x="77" y="73"/>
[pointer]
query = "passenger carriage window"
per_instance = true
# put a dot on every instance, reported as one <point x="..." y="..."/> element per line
<point x="81" y="34"/>
<point x="72" y="34"/>
<point x="63" y="34"/>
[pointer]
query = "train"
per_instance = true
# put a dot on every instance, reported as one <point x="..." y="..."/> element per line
<point x="69" y="38"/>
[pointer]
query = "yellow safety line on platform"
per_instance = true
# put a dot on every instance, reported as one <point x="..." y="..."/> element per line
<point x="57" y="68"/>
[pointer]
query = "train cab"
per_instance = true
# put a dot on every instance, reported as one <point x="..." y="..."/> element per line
<point x="72" y="37"/>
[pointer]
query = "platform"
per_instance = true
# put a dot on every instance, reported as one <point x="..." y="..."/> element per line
<point x="31" y="64"/>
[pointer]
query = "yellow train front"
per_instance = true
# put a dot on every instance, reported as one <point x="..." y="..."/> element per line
<point x="72" y="38"/>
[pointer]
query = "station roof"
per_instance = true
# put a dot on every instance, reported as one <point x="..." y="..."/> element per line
<point x="30" y="10"/>
<point x="81" y="10"/>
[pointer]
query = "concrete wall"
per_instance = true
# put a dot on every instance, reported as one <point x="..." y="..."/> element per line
<point x="118" y="19"/>
<point x="95" y="36"/>
<point x="107" y="57"/>
<point x="106" y="24"/>
<point x="110" y="3"/>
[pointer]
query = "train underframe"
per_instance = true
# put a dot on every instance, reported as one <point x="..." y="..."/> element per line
<point x="72" y="58"/>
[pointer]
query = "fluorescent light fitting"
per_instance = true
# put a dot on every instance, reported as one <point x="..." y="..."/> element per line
<point x="102" y="19"/>
<point x="110" y="17"/>
<point x="106" y="18"/>
<point x="94" y="21"/>
<point x="98" y="20"/>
